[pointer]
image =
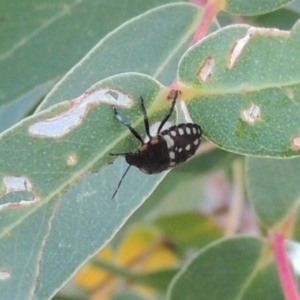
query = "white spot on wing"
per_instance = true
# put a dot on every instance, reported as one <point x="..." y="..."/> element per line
<point x="64" y="122"/>
<point x="180" y="131"/>
<point x="172" y="155"/>
<point x="169" y="140"/>
<point x="187" y="147"/>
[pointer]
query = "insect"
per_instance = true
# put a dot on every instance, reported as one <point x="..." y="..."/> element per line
<point x="168" y="148"/>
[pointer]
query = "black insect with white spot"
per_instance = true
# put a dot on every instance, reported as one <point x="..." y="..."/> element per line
<point x="168" y="148"/>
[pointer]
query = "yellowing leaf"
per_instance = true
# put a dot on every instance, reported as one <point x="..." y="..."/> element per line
<point x="139" y="241"/>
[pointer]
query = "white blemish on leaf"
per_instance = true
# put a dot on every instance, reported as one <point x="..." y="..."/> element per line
<point x="296" y="142"/>
<point x="62" y="124"/>
<point x="290" y="94"/>
<point x="18" y="184"/>
<point x="240" y="46"/>
<point x="206" y="70"/>
<point x="4" y="275"/>
<point x="72" y="159"/>
<point x="251" y="114"/>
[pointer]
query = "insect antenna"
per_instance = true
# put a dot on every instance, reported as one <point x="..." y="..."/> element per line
<point x="168" y="114"/>
<point x="119" y="184"/>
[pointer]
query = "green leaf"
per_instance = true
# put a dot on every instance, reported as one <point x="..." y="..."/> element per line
<point x="295" y="5"/>
<point x="66" y="297"/>
<point x="73" y="223"/>
<point x="158" y="279"/>
<point x="264" y="285"/>
<point x="193" y="176"/>
<point x="42" y="41"/>
<point x="61" y="227"/>
<point x="144" y="44"/>
<point x="273" y="187"/>
<point x="129" y="296"/>
<point x="283" y="19"/>
<point x="226" y="269"/>
<point x="189" y="229"/>
<point x="242" y="80"/>
<point x="254" y="7"/>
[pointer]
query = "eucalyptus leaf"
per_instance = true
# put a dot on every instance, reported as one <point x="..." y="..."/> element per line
<point x="41" y="164"/>
<point x="227" y="269"/>
<point x="273" y="188"/>
<point x="145" y="44"/>
<point x="41" y="41"/>
<point x="243" y="83"/>
<point x="254" y="7"/>
<point x="71" y="213"/>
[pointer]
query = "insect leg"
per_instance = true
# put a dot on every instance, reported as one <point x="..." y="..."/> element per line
<point x="146" y="120"/>
<point x="124" y="122"/>
<point x="167" y="116"/>
<point x="119" y="184"/>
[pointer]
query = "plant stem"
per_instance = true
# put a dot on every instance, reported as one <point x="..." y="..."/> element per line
<point x="211" y="9"/>
<point x="284" y="270"/>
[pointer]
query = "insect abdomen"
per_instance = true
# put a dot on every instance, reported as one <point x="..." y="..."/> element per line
<point x="183" y="140"/>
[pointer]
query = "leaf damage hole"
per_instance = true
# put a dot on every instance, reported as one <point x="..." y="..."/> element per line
<point x="296" y="142"/>
<point x="4" y="275"/>
<point x="64" y="123"/>
<point x="240" y="46"/>
<point x="251" y="114"/>
<point x="15" y="188"/>
<point x="206" y="70"/>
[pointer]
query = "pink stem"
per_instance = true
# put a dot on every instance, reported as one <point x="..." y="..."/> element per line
<point x="283" y="267"/>
<point x="210" y="11"/>
<point x="199" y="2"/>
